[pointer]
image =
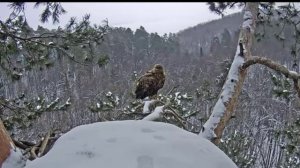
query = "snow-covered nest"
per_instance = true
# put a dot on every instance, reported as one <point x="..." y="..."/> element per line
<point x="132" y="144"/>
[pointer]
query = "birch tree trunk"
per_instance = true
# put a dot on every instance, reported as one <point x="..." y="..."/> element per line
<point x="227" y="100"/>
<point x="6" y="144"/>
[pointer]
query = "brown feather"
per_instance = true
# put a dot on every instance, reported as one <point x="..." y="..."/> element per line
<point x="149" y="83"/>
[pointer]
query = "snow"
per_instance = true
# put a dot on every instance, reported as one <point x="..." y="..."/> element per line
<point x="98" y="105"/>
<point x="14" y="160"/>
<point x="248" y="21"/>
<point x="132" y="144"/>
<point x="177" y="98"/>
<point x="55" y="101"/>
<point x="285" y="91"/>
<point x="155" y="114"/>
<point x="293" y="73"/>
<point x="68" y="101"/>
<point x="117" y="100"/>
<point x="38" y="107"/>
<point x="108" y="93"/>
<point x="146" y="106"/>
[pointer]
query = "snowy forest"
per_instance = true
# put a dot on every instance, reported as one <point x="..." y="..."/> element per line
<point x="85" y="74"/>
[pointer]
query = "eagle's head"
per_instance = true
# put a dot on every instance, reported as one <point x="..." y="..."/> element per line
<point x="158" y="67"/>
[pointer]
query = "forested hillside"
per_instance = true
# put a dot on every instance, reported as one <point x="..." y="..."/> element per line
<point x="99" y="86"/>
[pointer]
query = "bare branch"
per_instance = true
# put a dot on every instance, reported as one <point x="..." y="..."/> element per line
<point x="175" y="87"/>
<point x="275" y="66"/>
<point x="20" y="144"/>
<point x="44" y="144"/>
<point x="271" y="64"/>
<point x="32" y="152"/>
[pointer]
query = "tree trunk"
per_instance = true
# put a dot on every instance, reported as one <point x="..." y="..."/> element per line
<point x="227" y="100"/>
<point x="6" y="144"/>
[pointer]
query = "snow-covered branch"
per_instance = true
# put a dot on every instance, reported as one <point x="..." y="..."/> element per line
<point x="275" y="66"/>
<point x="147" y="104"/>
<point x="156" y="114"/>
<point x="227" y="100"/>
<point x="150" y="106"/>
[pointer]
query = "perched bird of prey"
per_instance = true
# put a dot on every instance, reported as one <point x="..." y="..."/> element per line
<point x="149" y="84"/>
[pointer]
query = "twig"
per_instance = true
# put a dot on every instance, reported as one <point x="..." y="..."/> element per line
<point x="191" y="114"/>
<point x="137" y="113"/>
<point x="27" y="143"/>
<point x="44" y="144"/>
<point x="32" y="152"/>
<point x="296" y="86"/>
<point x="182" y="122"/>
<point x="20" y="144"/>
<point x="175" y="87"/>
<point x="179" y="118"/>
<point x="139" y="106"/>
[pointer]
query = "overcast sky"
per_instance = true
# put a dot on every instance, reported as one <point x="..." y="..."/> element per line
<point x="155" y="17"/>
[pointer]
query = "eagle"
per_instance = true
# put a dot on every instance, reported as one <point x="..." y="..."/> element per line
<point x="148" y="84"/>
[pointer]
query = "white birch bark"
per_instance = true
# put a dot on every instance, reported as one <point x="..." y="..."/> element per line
<point x="227" y="100"/>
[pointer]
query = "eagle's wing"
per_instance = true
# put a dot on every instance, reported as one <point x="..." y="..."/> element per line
<point x="145" y="85"/>
<point x="161" y="82"/>
<point x="147" y="74"/>
<point x="145" y="82"/>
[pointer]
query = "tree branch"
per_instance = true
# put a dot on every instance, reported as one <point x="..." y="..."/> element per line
<point x="156" y="114"/>
<point x="178" y="117"/>
<point x="271" y="64"/>
<point x="275" y="66"/>
<point x="44" y="144"/>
